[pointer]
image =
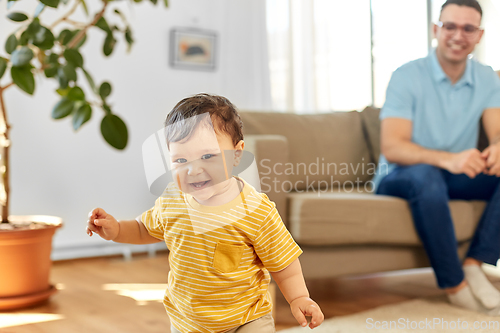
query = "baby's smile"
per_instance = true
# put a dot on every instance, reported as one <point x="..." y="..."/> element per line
<point x="200" y="185"/>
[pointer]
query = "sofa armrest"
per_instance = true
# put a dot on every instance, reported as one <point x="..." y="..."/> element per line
<point x="271" y="156"/>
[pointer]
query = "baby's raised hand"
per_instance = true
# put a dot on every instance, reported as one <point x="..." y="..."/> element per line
<point x="103" y="224"/>
<point x="304" y="306"/>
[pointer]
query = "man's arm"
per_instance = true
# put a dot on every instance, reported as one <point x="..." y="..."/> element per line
<point x="397" y="147"/>
<point x="491" y="124"/>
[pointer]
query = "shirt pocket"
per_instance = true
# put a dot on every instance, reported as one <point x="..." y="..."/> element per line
<point x="227" y="257"/>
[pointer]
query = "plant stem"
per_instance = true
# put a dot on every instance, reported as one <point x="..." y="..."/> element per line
<point x="65" y="16"/>
<point x="82" y="32"/>
<point x="5" y="157"/>
<point x="75" y="23"/>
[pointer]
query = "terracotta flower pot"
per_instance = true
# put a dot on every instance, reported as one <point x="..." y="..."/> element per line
<point x="25" y="261"/>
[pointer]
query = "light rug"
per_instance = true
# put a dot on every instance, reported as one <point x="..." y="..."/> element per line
<point x="419" y="315"/>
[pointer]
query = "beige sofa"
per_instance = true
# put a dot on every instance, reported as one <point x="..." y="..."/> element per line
<point x="317" y="169"/>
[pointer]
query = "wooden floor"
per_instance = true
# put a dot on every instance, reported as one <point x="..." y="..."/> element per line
<point x="102" y="295"/>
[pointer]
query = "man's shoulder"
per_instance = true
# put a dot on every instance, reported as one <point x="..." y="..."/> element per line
<point x="411" y="72"/>
<point x="483" y="73"/>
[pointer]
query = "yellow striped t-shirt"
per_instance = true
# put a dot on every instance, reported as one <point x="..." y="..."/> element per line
<point x="220" y="257"/>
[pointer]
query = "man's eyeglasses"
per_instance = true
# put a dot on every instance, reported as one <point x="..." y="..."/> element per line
<point x="451" y="28"/>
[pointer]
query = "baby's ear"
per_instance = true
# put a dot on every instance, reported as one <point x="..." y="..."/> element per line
<point x="238" y="152"/>
<point x="237" y="157"/>
<point x="240" y="145"/>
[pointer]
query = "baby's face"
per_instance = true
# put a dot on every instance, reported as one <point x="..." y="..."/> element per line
<point x="202" y="164"/>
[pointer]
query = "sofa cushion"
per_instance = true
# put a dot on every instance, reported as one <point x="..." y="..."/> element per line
<point x="371" y="129"/>
<point x="341" y="218"/>
<point x="327" y="148"/>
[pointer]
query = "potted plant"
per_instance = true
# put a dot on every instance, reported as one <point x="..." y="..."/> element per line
<point x="37" y="48"/>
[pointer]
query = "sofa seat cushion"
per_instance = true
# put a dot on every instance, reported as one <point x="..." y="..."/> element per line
<point x="342" y="218"/>
<point x="323" y="148"/>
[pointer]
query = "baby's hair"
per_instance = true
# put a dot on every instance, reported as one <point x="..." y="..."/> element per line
<point x="181" y="121"/>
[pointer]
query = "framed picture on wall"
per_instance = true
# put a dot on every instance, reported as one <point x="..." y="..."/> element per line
<point x="193" y="49"/>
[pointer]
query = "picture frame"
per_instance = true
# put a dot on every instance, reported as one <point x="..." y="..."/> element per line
<point x="193" y="49"/>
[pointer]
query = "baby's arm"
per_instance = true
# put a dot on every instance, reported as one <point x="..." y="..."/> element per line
<point x="128" y="231"/>
<point x="292" y="285"/>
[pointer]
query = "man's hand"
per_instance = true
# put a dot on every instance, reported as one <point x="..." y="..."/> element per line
<point x="304" y="306"/>
<point x="492" y="157"/>
<point x="103" y="224"/>
<point x="471" y="162"/>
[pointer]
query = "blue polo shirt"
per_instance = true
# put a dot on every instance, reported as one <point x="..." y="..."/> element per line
<point x="444" y="116"/>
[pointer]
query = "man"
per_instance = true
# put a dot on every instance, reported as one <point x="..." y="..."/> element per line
<point x="428" y="137"/>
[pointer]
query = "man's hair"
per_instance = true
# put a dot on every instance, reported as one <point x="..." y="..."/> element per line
<point x="469" y="3"/>
<point x="181" y="121"/>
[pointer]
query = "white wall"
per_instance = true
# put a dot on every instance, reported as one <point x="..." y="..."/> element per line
<point x="57" y="172"/>
<point x="488" y="50"/>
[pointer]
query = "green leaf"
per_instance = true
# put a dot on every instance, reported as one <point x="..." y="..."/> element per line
<point x="17" y="17"/>
<point x="39" y="9"/>
<point x="34" y="27"/>
<point x="114" y="131"/>
<point x="103" y="25"/>
<point x="63" y="92"/>
<point x="63" y="108"/>
<point x="50" y="71"/>
<point x="105" y="90"/>
<point x="68" y="72"/>
<point x="109" y="44"/>
<point x="65" y="36"/>
<point x="11" y="44"/>
<point x="74" y="57"/>
<point x="154" y="2"/>
<point x="21" y="56"/>
<point x="165" y="2"/>
<point x="81" y="116"/>
<point x="50" y="3"/>
<point x="76" y="94"/>
<point x="129" y="38"/>
<point x="52" y="59"/>
<point x="3" y="66"/>
<point x="23" y="78"/>
<point x="90" y="80"/>
<point x="63" y="81"/>
<point x="25" y="38"/>
<point x="44" y="39"/>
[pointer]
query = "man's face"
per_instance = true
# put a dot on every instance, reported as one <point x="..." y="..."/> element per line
<point x="454" y="45"/>
<point x="202" y="164"/>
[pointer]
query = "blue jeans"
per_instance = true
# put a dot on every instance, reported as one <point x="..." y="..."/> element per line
<point x="428" y="190"/>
